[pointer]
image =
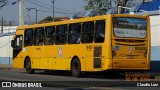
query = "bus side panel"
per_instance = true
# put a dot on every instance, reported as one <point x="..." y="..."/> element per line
<point x="65" y="54"/>
<point x="53" y="58"/>
<point x="48" y="56"/>
<point x="61" y="64"/>
<point x="83" y="54"/>
<point x="35" y="63"/>
<point x="29" y="52"/>
<point x="18" y="62"/>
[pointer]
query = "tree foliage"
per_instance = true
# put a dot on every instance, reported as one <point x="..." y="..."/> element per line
<point x="3" y="3"/>
<point x="97" y="5"/>
<point x="94" y="5"/>
<point x="49" y="19"/>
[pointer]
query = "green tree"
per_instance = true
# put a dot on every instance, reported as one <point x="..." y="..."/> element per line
<point x="3" y="3"/>
<point x="49" y="19"/>
<point x="97" y="5"/>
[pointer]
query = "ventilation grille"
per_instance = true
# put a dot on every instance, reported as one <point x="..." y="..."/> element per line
<point x="97" y="57"/>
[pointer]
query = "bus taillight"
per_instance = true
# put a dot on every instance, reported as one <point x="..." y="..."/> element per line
<point x="145" y="53"/>
<point x="113" y="53"/>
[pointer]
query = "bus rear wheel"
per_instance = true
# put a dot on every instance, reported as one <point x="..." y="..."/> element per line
<point x="28" y="67"/>
<point x="76" y="67"/>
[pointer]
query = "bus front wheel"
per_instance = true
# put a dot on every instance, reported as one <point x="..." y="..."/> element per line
<point x="76" y="67"/>
<point x="28" y="67"/>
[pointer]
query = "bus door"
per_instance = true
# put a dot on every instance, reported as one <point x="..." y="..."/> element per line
<point x="17" y="51"/>
<point x="130" y="43"/>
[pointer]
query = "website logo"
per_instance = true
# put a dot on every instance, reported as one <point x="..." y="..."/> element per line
<point x="6" y="84"/>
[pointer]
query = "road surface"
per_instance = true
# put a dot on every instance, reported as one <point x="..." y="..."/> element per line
<point x="64" y="81"/>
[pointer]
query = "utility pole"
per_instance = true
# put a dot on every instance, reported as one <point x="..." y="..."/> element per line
<point x="36" y="12"/>
<point x="53" y="1"/>
<point x="21" y="13"/>
<point x="36" y="16"/>
<point x="2" y="25"/>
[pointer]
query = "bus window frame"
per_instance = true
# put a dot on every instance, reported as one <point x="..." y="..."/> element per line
<point x="40" y="43"/>
<point x="53" y="36"/>
<point x="27" y="37"/>
<point x="64" y="34"/>
<point x="78" y="41"/>
<point x="134" y="18"/>
<point x="93" y="31"/>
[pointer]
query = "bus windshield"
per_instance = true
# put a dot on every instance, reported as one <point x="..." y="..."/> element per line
<point x="130" y="27"/>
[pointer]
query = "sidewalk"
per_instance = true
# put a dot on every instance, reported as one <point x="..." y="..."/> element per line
<point x="5" y="66"/>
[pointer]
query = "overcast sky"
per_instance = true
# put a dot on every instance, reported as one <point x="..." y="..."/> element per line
<point x="62" y="8"/>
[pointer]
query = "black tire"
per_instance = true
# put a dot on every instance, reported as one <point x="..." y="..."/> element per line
<point x="76" y="67"/>
<point x="28" y="67"/>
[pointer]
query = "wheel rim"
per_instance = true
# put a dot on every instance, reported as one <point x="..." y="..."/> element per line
<point x="76" y="67"/>
<point x="28" y="65"/>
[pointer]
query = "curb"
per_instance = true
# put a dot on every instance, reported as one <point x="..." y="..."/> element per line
<point x="157" y="77"/>
<point x="6" y="68"/>
<point x="11" y="69"/>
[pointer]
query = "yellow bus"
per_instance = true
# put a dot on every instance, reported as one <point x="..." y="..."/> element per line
<point x="100" y="43"/>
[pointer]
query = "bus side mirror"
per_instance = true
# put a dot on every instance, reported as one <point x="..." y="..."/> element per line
<point x="12" y="44"/>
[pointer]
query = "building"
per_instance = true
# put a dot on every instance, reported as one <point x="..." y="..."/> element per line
<point x="5" y="44"/>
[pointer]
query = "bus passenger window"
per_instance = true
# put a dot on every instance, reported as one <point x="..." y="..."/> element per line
<point x="61" y="34"/>
<point x="38" y="36"/>
<point x="100" y="31"/>
<point x="87" y="32"/>
<point x="28" y="37"/>
<point x="49" y="38"/>
<point x="74" y="33"/>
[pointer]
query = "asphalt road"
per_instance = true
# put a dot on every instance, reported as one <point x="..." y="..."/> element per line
<point x="64" y="81"/>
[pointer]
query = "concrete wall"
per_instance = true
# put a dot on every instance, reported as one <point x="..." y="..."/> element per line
<point x="155" y="43"/>
<point x="5" y="50"/>
<point x="7" y="29"/>
<point x="155" y="38"/>
<point x="5" y="44"/>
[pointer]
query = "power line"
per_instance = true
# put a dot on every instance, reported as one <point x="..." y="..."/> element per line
<point x="38" y="4"/>
<point x="37" y="9"/>
<point x="47" y="7"/>
<point x="55" y="7"/>
<point x="63" y="12"/>
<point x="43" y="11"/>
<point x="51" y="12"/>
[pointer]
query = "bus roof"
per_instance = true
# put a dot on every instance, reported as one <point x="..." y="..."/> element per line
<point x="102" y="17"/>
